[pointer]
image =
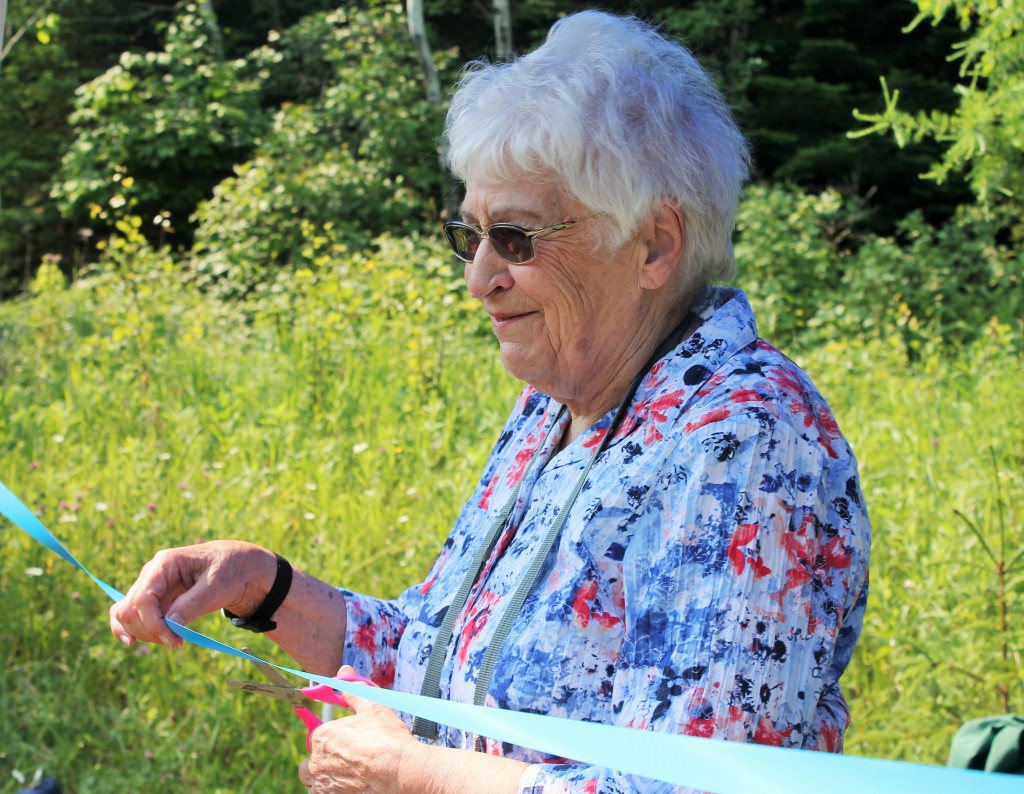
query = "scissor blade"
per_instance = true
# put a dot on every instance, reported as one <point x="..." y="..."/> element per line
<point x="269" y="671"/>
<point x="288" y="694"/>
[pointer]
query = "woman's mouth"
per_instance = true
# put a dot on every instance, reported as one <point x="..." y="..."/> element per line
<point x="503" y="320"/>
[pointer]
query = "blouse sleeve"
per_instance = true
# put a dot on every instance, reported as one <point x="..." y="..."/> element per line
<point x="372" y="634"/>
<point x="744" y="593"/>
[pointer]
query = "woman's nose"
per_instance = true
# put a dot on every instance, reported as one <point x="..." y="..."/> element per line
<point x="487" y="272"/>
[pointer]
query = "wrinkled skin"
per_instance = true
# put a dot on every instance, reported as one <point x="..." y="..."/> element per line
<point x="359" y="753"/>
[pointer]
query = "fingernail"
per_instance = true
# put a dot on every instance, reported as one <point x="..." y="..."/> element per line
<point x="174" y="617"/>
<point x="125" y="639"/>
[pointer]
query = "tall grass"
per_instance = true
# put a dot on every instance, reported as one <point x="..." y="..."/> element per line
<point x="941" y="447"/>
<point x="349" y="451"/>
<point x="341" y="419"/>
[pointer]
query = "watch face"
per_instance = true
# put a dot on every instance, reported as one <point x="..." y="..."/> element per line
<point x="259" y="625"/>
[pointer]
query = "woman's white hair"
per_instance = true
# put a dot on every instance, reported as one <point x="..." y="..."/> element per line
<point x="621" y="118"/>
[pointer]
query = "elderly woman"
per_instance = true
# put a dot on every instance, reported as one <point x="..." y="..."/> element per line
<point x="669" y="533"/>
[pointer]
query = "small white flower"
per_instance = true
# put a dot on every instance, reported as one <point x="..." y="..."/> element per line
<point x="101" y="507"/>
<point x="218" y="465"/>
<point x="359" y="448"/>
<point x="186" y="494"/>
<point x="33" y="572"/>
<point x="68" y="518"/>
<point x="165" y="456"/>
<point x="369" y="492"/>
<point x="310" y="486"/>
<point x="58" y="439"/>
<point x="309" y="516"/>
<point x="411" y="491"/>
<point x="403" y="519"/>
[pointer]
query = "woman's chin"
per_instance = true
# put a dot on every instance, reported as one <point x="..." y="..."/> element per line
<point x="522" y="363"/>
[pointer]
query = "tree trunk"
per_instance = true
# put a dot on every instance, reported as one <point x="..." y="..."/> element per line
<point x="3" y="23"/>
<point x="432" y="85"/>
<point x="502" y="30"/>
<point x="418" y="31"/>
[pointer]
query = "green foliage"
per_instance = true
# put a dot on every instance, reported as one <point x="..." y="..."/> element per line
<point x="135" y="414"/>
<point x="155" y="132"/>
<point x="51" y="48"/>
<point x="789" y="255"/>
<point x="983" y="134"/>
<point x="793" y="71"/>
<point x="812" y="274"/>
<point x="332" y="174"/>
<point x="941" y="448"/>
<point x="172" y="118"/>
<point x="36" y="87"/>
<point x="341" y="416"/>
<point x="947" y="284"/>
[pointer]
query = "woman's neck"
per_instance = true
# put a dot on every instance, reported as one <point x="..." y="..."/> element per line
<point x="585" y="413"/>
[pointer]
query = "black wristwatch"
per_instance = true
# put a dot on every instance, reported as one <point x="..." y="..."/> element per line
<point x="260" y="620"/>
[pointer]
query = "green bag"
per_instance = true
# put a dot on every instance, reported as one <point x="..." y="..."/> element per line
<point x="992" y="744"/>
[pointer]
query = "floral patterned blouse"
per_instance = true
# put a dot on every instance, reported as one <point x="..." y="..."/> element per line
<point x="710" y="579"/>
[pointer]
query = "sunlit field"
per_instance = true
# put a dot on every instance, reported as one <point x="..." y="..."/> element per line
<point x="341" y="419"/>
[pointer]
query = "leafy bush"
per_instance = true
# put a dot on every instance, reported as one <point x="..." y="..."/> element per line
<point x="812" y="277"/>
<point x="157" y="131"/>
<point x="948" y="284"/>
<point x="36" y="85"/>
<point x="332" y="174"/>
<point x="789" y="255"/>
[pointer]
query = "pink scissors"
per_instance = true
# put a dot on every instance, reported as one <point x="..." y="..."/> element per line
<point x="281" y="689"/>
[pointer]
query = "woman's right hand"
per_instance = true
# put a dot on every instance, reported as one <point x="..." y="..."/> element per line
<point x="185" y="583"/>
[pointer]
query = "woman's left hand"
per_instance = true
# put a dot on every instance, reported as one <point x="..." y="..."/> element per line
<point x="360" y="753"/>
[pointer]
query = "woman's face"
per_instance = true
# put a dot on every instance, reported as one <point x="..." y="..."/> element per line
<point x="567" y="320"/>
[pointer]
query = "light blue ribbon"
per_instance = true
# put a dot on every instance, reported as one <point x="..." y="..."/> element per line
<point x="705" y="764"/>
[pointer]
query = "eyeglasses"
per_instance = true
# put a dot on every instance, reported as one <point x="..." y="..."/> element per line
<point x="514" y="244"/>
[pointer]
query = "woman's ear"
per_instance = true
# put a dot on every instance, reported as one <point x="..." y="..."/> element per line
<point x="665" y="243"/>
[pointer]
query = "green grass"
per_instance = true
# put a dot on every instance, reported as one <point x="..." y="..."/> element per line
<point x="135" y="415"/>
<point x="941" y="446"/>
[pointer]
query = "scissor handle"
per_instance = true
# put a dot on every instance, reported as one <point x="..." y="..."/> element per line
<point x="311" y="721"/>
<point x="325" y="694"/>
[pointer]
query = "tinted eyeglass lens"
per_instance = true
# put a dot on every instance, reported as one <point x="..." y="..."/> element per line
<point x="511" y="243"/>
<point x="463" y="240"/>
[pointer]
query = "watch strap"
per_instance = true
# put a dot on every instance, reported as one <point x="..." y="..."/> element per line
<point x="260" y="620"/>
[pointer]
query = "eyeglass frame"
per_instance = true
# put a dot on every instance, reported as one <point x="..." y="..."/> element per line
<point x="529" y="234"/>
